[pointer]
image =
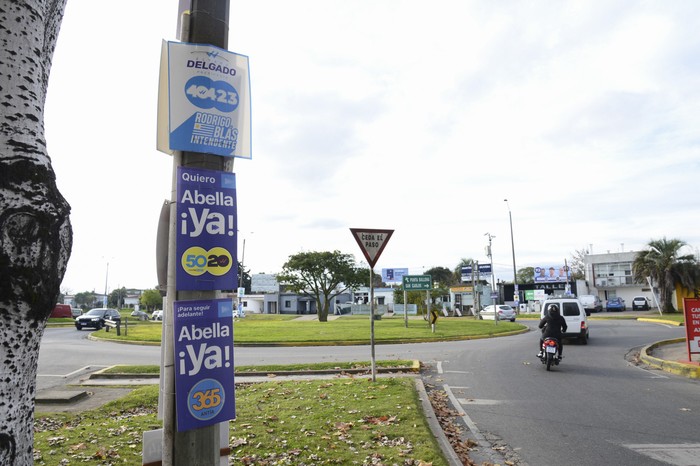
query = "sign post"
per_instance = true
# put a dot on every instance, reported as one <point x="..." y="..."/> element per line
<point x="691" y="309"/>
<point x="372" y="242"/>
<point x="420" y="283"/>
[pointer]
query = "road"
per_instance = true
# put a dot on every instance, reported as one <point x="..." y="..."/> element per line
<point x="595" y="408"/>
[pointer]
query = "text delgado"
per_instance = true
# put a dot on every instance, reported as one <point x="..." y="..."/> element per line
<point x="196" y="356"/>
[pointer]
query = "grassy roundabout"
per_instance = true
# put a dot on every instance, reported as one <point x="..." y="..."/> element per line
<point x="268" y="329"/>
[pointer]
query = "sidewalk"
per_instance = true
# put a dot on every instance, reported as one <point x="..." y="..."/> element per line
<point x="671" y="356"/>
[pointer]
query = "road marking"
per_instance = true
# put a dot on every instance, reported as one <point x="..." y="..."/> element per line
<point x="682" y="454"/>
<point x="439" y="367"/>
<point x="481" y="401"/>
<point x="481" y="440"/>
<point x="70" y="374"/>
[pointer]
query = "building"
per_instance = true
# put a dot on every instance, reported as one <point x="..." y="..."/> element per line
<point x="610" y="276"/>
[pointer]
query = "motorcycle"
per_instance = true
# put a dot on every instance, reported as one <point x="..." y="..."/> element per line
<point x="550" y="352"/>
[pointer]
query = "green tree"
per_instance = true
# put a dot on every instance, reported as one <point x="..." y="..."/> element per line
<point x="116" y="298"/>
<point x="578" y="264"/>
<point x="87" y="299"/>
<point x="666" y="267"/>
<point x="322" y="276"/>
<point x="526" y="275"/>
<point x="151" y="299"/>
<point x="442" y="275"/>
<point x="244" y="279"/>
<point x="463" y="262"/>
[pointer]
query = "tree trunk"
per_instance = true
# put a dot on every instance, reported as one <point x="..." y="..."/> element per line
<point x="35" y="231"/>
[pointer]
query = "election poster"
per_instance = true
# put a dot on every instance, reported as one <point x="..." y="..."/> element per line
<point x="204" y="382"/>
<point x="204" y="101"/>
<point x="206" y="230"/>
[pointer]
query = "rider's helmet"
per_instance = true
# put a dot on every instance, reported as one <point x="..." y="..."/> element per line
<point x="553" y="310"/>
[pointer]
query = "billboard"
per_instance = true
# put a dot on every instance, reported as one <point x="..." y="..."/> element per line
<point x="393" y="275"/>
<point x="484" y="269"/>
<point x="552" y="274"/>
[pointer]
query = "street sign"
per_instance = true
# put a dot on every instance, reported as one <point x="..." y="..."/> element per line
<point x="691" y="308"/>
<point x="417" y="282"/>
<point x="371" y="242"/>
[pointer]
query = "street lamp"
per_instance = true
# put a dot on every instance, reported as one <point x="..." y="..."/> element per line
<point x="512" y="243"/>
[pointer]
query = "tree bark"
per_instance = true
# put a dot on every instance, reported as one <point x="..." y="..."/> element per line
<point x="35" y="231"/>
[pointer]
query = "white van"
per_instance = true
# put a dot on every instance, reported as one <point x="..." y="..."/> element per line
<point x="591" y="303"/>
<point x="574" y="314"/>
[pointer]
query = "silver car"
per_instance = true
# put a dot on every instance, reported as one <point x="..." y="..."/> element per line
<point x="505" y="312"/>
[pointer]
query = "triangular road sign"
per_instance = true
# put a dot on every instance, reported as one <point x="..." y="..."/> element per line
<point x="372" y="242"/>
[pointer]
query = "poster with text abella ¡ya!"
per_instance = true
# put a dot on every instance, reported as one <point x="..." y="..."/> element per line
<point x="206" y="230"/>
<point x="204" y="372"/>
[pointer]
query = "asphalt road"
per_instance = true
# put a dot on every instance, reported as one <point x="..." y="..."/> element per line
<point x="595" y="408"/>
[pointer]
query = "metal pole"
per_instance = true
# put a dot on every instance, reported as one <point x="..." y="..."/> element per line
<point x="206" y="23"/>
<point x="371" y="325"/>
<point x="515" y="273"/>
<point x="405" y="311"/>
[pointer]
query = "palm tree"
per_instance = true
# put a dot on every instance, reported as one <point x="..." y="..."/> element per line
<point x="666" y="268"/>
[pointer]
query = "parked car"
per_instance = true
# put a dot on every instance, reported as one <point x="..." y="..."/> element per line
<point x="61" y="310"/>
<point x="591" y="303"/>
<point x="76" y="312"/>
<point x="615" y="304"/>
<point x="140" y="315"/>
<point x="574" y="314"/>
<point x="640" y="303"/>
<point x="157" y="315"/>
<point x="505" y="312"/>
<point x="96" y="318"/>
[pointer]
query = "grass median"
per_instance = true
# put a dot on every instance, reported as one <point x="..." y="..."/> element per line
<point x="334" y="421"/>
<point x="347" y="330"/>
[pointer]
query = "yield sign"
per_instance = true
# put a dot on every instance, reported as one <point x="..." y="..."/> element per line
<point x="371" y="242"/>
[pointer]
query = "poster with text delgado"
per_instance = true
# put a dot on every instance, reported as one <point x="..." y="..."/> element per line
<point x="204" y="378"/>
<point x="206" y="230"/>
<point x="204" y="101"/>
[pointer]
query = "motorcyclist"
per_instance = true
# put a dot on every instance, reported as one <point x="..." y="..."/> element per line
<point x="552" y="325"/>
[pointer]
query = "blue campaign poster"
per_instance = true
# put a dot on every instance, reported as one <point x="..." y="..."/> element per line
<point x="204" y="383"/>
<point x="206" y="230"/>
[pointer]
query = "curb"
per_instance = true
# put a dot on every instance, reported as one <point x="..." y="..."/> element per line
<point x="414" y="368"/>
<point x="691" y="371"/>
<point x="660" y="321"/>
<point x="435" y="427"/>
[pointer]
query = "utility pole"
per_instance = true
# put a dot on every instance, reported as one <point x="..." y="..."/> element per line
<point x="493" y="276"/>
<point x="204" y="22"/>
<point x="516" y="292"/>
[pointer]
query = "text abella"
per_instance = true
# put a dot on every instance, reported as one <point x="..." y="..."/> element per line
<point x="216" y="330"/>
<point x="198" y="198"/>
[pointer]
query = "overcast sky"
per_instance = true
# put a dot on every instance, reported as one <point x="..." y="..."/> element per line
<point x="405" y="115"/>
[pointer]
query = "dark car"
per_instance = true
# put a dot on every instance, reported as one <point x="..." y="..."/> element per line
<point x="96" y="318"/>
<point x="615" y="304"/>
<point x="140" y="315"/>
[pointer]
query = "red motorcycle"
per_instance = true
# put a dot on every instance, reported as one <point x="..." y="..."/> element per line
<point x="550" y="352"/>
